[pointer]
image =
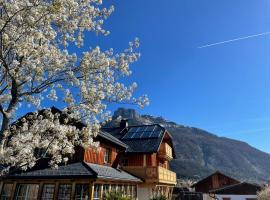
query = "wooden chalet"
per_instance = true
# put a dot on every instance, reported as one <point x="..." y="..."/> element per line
<point x="239" y="191"/>
<point x="221" y="187"/>
<point x="148" y="154"/>
<point x="90" y="174"/>
<point x="214" y="181"/>
<point x="135" y="165"/>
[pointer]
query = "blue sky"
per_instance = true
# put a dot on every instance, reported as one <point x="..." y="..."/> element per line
<point x="224" y="89"/>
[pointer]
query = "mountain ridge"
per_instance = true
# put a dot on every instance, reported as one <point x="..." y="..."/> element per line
<point x="200" y="153"/>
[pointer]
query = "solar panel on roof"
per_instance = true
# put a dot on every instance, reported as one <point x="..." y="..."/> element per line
<point x="151" y="128"/>
<point x="133" y="129"/>
<point x="128" y="135"/>
<point x="156" y="133"/>
<point x="143" y="132"/>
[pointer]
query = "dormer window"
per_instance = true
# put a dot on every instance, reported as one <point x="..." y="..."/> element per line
<point x="107" y="155"/>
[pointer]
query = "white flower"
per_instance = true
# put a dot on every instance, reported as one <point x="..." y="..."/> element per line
<point x="36" y="64"/>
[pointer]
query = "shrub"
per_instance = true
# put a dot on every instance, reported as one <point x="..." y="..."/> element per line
<point x="161" y="197"/>
<point x="116" y="196"/>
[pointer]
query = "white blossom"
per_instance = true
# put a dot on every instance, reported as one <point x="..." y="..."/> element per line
<point x="264" y="194"/>
<point x="36" y="65"/>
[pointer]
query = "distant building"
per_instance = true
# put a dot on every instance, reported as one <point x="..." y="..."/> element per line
<point x="221" y="187"/>
<point x="239" y="191"/>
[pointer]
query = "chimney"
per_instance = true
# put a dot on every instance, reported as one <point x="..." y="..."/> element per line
<point x="124" y="123"/>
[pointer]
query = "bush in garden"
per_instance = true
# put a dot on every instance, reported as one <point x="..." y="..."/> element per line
<point x="116" y="196"/>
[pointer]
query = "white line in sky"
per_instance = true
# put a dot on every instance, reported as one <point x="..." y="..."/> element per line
<point x="233" y="40"/>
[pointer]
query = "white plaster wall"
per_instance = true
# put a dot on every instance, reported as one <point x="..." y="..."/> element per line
<point x="206" y="197"/>
<point x="236" y="197"/>
<point x="144" y="192"/>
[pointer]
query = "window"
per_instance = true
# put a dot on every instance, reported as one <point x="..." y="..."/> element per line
<point x="129" y="193"/>
<point x="97" y="191"/>
<point x="64" y="192"/>
<point x="6" y="191"/>
<point x="113" y="188"/>
<point x="26" y="192"/>
<point x="106" y="188"/>
<point x="107" y="155"/>
<point x="125" y="190"/>
<point x="134" y="189"/>
<point x="119" y="188"/>
<point x="82" y="191"/>
<point x="48" y="192"/>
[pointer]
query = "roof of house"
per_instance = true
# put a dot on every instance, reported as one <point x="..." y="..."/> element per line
<point x="210" y="178"/>
<point x="141" y="138"/>
<point x="238" y="189"/>
<point x="112" y="139"/>
<point x="106" y="172"/>
<point x="80" y="170"/>
<point x="74" y="170"/>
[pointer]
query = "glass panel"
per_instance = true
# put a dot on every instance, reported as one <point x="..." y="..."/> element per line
<point x="113" y="188"/>
<point x="133" y="129"/>
<point x="97" y="190"/>
<point x="129" y="192"/>
<point x="134" y="189"/>
<point x="125" y="189"/>
<point x="107" y="155"/>
<point x="6" y="191"/>
<point x="48" y="192"/>
<point x="128" y="135"/>
<point x="64" y="192"/>
<point x="150" y="128"/>
<point x="119" y="188"/>
<point x="82" y="191"/>
<point x="156" y="133"/>
<point x="106" y="188"/>
<point x="26" y="192"/>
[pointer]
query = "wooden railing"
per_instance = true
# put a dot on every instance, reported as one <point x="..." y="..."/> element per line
<point x="165" y="151"/>
<point x="153" y="174"/>
<point x="165" y="175"/>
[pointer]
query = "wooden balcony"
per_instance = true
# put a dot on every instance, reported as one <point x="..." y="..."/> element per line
<point x="153" y="174"/>
<point x="165" y="151"/>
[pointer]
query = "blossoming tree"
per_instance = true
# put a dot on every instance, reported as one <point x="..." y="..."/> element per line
<point x="264" y="194"/>
<point x="35" y="65"/>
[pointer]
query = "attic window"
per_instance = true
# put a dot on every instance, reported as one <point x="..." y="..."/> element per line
<point x="107" y="155"/>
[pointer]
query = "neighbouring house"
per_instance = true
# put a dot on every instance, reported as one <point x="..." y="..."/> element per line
<point x="138" y="167"/>
<point x="214" y="181"/>
<point x="239" y="191"/>
<point x="222" y="187"/>
<point x="149" y="151"/>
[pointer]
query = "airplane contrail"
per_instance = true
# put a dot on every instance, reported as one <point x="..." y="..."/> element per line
<point x="233" y="40"/>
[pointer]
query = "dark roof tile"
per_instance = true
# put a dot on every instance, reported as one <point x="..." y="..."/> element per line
<point x="238" y="189"/>
<point x="106" y="172"/>
<point x="66" y="171"/>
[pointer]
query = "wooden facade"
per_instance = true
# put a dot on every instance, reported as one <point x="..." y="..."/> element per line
<point x="94" y="188"/>
<point x="93" y="172"/>
<point x="96" y="155"/>
<point x="214" y="181"/>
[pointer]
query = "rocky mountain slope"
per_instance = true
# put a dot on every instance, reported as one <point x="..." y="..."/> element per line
<point x="200" y="153"/>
